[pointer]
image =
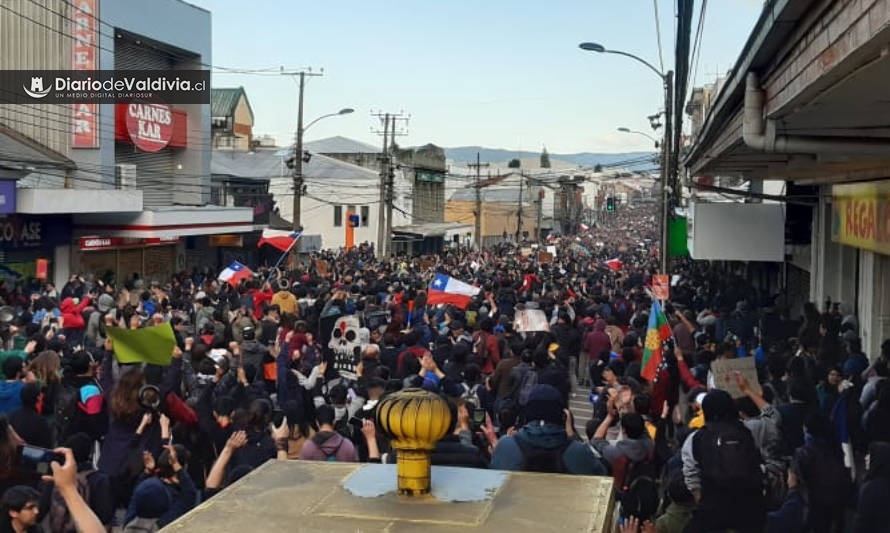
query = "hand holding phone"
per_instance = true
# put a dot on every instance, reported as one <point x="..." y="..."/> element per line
<point x="37" y="460"/>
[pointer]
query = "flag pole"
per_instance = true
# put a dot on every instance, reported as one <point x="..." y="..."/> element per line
<point x="283" y="255"/>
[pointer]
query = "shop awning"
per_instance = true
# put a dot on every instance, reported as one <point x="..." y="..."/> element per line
<point x="167" y="222"/>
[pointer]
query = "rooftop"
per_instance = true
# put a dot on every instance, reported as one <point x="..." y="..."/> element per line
<point x="340" y="145"/>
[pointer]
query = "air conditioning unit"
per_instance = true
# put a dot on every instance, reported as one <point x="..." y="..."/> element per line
<point x="125" y="176"/>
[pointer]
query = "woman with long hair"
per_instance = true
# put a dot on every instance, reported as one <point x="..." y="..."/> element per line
<point x="47" y="370"/>
<point x="10" y="475"/>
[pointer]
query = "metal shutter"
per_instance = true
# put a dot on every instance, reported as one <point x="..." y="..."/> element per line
<point x="154" y="171"/>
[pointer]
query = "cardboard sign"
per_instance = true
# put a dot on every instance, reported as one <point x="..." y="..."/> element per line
<point x="723" y="374"/>
<point x="552" y="250"/>
<point x="426" y="264"/>
<point x="545" y="258"/>
<point x="321" y="267"/>
<point x="531" y="320"/>
<point x="660" y="287"/>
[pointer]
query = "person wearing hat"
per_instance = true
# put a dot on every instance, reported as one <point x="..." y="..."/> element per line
<point x="80" y="405"/>
<point x="94" y="333"/>
<point x="542" y="444"/>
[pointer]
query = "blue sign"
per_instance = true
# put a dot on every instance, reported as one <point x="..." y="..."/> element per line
<point x="21" y="232"/>
<point x="7" y="197"/>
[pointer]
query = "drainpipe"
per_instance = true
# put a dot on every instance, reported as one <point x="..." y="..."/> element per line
<point x="760" y="134"/>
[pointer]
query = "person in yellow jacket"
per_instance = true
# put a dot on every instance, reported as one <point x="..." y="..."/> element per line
<point x="284" y="299"/>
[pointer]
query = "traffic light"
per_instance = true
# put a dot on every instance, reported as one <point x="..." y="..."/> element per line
<point x="354" y="221"/>
<point x="610" y="203"/>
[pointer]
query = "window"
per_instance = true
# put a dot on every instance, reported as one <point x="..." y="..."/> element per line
<point x="366" y="212"/>
<point x="338" y="216"/>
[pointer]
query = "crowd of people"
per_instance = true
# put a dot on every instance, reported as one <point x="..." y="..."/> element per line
<point x="290" y="365"/>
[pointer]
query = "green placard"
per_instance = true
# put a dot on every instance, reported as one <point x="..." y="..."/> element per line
<point x="145" y="345"/>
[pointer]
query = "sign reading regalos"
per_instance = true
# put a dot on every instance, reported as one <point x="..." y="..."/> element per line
<point x="861" y="215"/>
<point x="150" y="126"/>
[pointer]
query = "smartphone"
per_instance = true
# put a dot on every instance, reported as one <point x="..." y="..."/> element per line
<point x="37" y="460"/>
<point x="478" y="416"/>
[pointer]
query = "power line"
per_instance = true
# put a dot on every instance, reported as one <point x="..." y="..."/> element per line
<point x="696" y="50"/>
<point x="658" y="35"/>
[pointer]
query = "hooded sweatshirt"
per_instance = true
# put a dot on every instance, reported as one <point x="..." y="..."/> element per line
<point x="597" y="341"/>
<point x="577" y="457"/>
<point x="329" y="446"/>
<point x="72" y="317"/>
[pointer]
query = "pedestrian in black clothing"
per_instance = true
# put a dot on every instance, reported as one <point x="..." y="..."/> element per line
<point x="28" y="423"/>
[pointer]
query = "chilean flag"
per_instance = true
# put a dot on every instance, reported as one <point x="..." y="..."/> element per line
<point x="447" y="290"/>
<point x="614" y="264"/>
<point x="234" y="273"/>
<point x="283" y="240"/>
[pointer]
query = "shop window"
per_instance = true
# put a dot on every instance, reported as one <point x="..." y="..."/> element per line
<point x="366" y="213"/>
<point x="338" y="216"/>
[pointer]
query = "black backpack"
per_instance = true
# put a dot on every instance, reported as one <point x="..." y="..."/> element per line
<point x="728" y="457"/>
<point x="638" y="492"/>
<point x="546" y="460"/>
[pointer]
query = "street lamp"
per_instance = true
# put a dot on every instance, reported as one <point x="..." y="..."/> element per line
<point x="298" y="156"/>
<point x="644" y="134"/>
<point x="667" y="80"/>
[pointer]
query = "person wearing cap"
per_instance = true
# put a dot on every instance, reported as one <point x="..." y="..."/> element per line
<point x="94" y="333"/>
<point x="542" y="444"/>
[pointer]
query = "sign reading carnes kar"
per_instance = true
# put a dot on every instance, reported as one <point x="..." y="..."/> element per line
<point x="150" y="125"/>
<point x="860" y="215"/>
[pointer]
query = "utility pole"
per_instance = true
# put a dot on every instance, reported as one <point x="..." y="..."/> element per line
<point x="478" y="212"/>
<point x="390" y="184"/>
<point x="519" y="211"/>
<point x="667" y="171"/>
<point x="298" y="150"/>
<point x="387" y="179"/>
<point x="381" y="213"/>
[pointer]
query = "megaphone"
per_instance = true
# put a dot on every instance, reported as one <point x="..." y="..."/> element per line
<point x="7" y="313"/>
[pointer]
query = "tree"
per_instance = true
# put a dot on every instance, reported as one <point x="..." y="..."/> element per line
<point x="514" y="163"/>
<point x="545" y="158"/>
<point x="597" y="168"/>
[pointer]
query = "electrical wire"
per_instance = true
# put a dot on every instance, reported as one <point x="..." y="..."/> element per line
<point x="696" y="48"/>
<point x="658" y="35"/>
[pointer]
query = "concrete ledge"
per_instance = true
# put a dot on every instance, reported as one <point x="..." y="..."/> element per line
<point x="54" y="201"/>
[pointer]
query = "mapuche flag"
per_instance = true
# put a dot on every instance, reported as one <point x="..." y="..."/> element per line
<point x="653" y="352"/>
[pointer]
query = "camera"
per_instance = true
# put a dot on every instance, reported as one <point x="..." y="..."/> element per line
<point x="37" y="460"/>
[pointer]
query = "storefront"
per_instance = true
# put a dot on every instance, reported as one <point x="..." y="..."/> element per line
<point x="121" y="257"/>
<point x="858" y="225"/>
<point x="27" y="239"/>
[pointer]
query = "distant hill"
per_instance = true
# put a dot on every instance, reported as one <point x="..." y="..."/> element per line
<point x="463" y="154"/>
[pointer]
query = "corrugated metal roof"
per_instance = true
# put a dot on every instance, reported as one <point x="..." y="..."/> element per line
<point x="340" y="145"/>
<point x="223" y="101"/>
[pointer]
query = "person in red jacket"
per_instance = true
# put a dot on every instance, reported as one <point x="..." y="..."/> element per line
<point x="260" y="297"/>
<point x="73" y="324"/>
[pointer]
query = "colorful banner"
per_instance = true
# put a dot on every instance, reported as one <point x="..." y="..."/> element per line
<point x="860" y="216"/>
<point x="146" y="345"/>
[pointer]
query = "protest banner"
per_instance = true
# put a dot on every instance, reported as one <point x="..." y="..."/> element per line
<point x="531" y="320"/>
<point x="545" y="258"/>
<point x="723" y="372"/>
<point x="145" y="345"/>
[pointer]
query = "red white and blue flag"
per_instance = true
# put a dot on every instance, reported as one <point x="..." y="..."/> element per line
<point x="234" y="273"/>
<point x="283" y="240"/>
<point x="447" y="290"/>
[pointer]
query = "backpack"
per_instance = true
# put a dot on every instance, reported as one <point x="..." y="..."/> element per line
<point x="526" y="379"/>
<point x="331" y="457"/>
<point x="545" y="460"/>
<point x="728" y="457"/>
<point x="60" y="520"/>
<point x="638" y="491"/>
<point x="775" y="485"/>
